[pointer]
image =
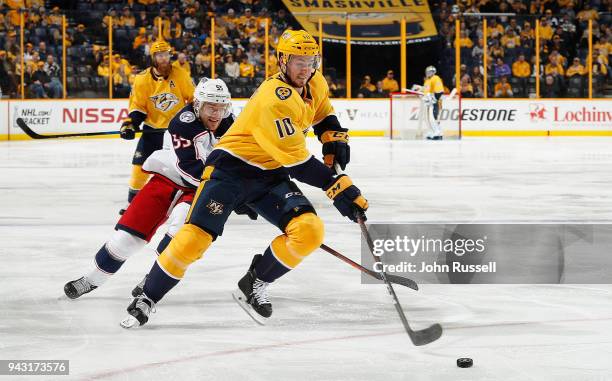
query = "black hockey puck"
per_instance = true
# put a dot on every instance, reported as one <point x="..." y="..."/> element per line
<point x="464" y="362"/>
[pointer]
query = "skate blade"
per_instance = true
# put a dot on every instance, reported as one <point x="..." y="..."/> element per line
<point x="241" y="300"/>
<point x="130" y="322"/>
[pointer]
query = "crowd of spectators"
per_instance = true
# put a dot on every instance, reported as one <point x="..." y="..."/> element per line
<point x="511" y="55"/>
<point x="239" y="43"/>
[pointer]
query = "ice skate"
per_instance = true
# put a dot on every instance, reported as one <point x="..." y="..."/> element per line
<point x="139" y="310"/>
<point x="252" y="295"/>
<point x="78" y="287"/>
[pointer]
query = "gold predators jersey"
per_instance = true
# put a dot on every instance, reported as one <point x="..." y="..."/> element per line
<point x="158" y="98"/>
<point x="433" y="85"/>
<point x="270" y="132"/>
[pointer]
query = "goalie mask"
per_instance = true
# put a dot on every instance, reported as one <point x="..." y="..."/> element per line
<point x="211" y="91"/>
<point x="430" y="71"/>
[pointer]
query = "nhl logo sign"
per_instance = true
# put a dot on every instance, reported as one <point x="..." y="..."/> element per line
<point x="215" y="207"/>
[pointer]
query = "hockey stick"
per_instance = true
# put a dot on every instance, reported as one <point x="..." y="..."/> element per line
<point x="418" y="338"/>
<point x="392" y="278"/>
<point x="22" y="124"/>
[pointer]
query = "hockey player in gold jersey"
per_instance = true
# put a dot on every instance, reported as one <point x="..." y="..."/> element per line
<point x="158" y="93"/>
<point x="433" y="90"/>
<point x="252" y="165"/>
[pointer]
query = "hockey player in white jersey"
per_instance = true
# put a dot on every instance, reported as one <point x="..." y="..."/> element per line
<point x="176" y="170"/>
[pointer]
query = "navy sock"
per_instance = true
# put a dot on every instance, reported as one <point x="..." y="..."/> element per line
<point x="269" y="268"/>
<point x="158" y="283"/>
<point x="106" y="262"/>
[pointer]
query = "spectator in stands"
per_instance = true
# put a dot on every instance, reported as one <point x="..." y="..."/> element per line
<point x="127" y="19"/>
<point x="80" y="37"/>
<point x="272" y="64"/>
<point x="367" y="88"/>
<point x="477" y="52"/>
<point x="501" y="68"/>
<point x="110" y="16"/>
<point x="42" y="50"/>
<point x="576" y="69"/>
<point x="38" y="79"/>
<point x="553" y="67"/>
<point x="191" y="22"/>
<point x="182" y="63"/>
<point x="334" y="88"/>
<point x="103" y="67"/>
<point x="551" y="88"/>
<point x="53" y="71"/>
<point x="142" y="21"/>
<point x="521" y="70"/>
<point x="174" y="28"/>
<point x="380" y="92"/>
<point x="232" y="69"/>
<point x="600" y="68"/>
<point x="546" y="31"/>
<point x="478" y="87"/>
<point x="246" y="68"/>
<point x="587" y="13"/>
<point x="496" y="51"/>
<point x="464" y="40"/>
<point x="389" y="84"/>
<point x="467" y="91"/>
<point x="253" y="55"/>
<point x="550" y="19"/>
<point x="281" y="21"/>
<point x="503" y="88"/>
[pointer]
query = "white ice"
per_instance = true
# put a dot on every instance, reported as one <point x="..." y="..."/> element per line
<point x="59" y="203"/>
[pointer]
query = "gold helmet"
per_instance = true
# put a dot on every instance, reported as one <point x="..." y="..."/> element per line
<point x="160" y="46"/>
<point x="297" y="42"/>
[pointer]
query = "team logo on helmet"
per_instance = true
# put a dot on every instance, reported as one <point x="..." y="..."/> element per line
<point x="187" y="117"/>
<point x="164" y="101"/>
<point x="283" y="93"/>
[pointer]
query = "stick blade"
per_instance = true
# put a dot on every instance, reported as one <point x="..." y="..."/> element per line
<point x="426" y="336"/>
<point x="24" y="127"/>
<point x="406" y="282"/>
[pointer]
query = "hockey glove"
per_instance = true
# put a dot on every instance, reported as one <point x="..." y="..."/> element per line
<point x="128" y="130"/>
<point x="347" y="198"/>
<point x="244" y="209"/>
<point x="336" y="148"/>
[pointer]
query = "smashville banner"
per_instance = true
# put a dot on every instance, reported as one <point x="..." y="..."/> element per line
<point x="372" y="21"/>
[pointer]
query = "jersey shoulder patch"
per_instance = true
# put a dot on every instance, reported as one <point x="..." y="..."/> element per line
<point x="283" y="92"/>
<point x="187" y="117"/>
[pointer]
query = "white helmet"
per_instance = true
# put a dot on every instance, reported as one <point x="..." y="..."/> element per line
<point x="430" y="70"/>
<point x="211" y="91"/>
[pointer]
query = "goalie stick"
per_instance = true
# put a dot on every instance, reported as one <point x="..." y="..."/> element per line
<point x="392" y="278"/>
<point x="23" y="125"/>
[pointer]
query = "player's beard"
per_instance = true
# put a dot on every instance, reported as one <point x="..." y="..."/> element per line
<point x="163" y="69"/>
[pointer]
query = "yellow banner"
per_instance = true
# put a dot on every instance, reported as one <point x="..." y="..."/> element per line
<point x="372" y="21"/>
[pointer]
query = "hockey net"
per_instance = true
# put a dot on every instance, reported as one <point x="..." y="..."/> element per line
<point x="410" y="118"/>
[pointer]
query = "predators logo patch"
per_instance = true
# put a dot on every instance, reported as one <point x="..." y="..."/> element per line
<point x="283" y="93"/>
<point x="164" y="101"/>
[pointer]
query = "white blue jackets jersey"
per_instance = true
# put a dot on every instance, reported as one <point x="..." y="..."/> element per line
<point x="187" y="144"/>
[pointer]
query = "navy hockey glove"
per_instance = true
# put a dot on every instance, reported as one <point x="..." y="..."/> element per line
<point x="347" y="198"/>
<point x="128" y="130"/>
<point x="336" y="148"/>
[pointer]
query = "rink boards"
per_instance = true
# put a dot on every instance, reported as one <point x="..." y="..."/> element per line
<point x="364" y="117"/>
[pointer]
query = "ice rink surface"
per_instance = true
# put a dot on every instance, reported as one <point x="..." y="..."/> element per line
<point x="59" y="202"/>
